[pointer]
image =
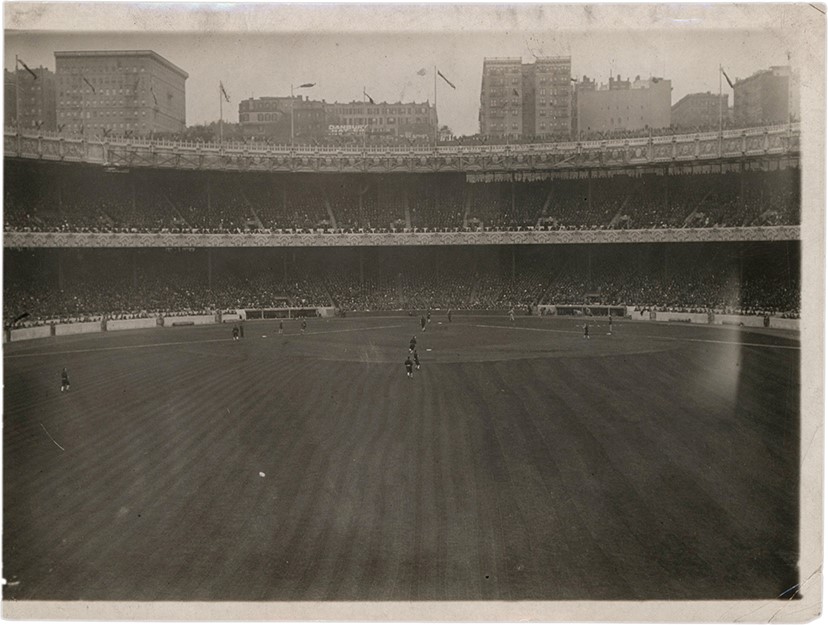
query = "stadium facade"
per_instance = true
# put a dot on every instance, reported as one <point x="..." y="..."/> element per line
<point x="125" y="92"/>
<point x="733" y="189"/>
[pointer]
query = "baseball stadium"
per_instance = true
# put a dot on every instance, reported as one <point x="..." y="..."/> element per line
<point x="563" y="371"/>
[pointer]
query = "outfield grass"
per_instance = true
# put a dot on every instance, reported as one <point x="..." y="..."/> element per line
<point x="521" y="462"/>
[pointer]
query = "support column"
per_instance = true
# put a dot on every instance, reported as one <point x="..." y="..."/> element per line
<point x="60" y="276"/>
<point x="209" y="268"/>
<point x="284" y="265"/>
<point x="209" y="202"/>
<point x="589" y="267"/>
<point x="512" y="189"/>
<point x="589" y="191"/>
<point x="513" y="263"/>
<point x="741" y="264"/>
<point x="134" y="269"/>
<point x="361" y="265"/>
<point x="741" y="184"/>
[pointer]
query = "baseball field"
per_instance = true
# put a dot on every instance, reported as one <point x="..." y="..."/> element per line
<point x="521" y="461"/>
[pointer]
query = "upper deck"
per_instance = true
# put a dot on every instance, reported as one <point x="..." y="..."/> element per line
<point x="533" y="157"/>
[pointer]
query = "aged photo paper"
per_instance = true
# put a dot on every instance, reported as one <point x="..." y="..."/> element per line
<point x="387" y="312"/>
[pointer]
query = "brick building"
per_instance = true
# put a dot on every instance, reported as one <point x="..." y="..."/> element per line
<point x="769" y="96"/>
<point x="528" y="100"/>
<point x="699" y="110"/>
<point x="269" y="117"/>
<point x="36" y="99"/>
<point x="119" y="91"/>
<point x="622" y="105"/>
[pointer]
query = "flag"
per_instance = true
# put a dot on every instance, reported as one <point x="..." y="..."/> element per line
<point x="515" y="91"/>
<point x="27" y="68"/>
<point x="727" y="78"/>
<point x="574" y="79"/>
<point x="155" y="99"/>
<point x="307" y="85"/>
<point x="91" y="86"/>
<point x="450" y="84"/>
<point x="421" y="72"/>
<point x="224" y="92"/>
<point x="370" y="99"/>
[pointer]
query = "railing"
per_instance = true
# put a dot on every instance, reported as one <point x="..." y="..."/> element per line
<point x="13" y="239"/>
<point x="143" y="152"/>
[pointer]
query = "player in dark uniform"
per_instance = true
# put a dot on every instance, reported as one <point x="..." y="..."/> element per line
<point x="449" y="315"/>
<point x="422" y="323"/>
<point x="235" y="333"/>
<point x="416" y="360"/>
<point x="428" y="316"/>
<point x="281" y="326"/>
<point x="304" y="325"/>
<point x="64" y="380"/>
<point x="412" y="343"/>
<point x="609" y="320"/>
<point x="586" y="330"/>
<point x="409" y="367"/>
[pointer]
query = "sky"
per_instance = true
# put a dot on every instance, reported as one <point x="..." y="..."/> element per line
<point x="255" y="55"/>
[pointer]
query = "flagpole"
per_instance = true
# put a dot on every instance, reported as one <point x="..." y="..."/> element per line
<point x="720" y="99"/>
<point x="291" y="115"/>
<point x="17" y="94"/>
<point x="365" y="127"/>
<point x="221" y="117"/>
<point x="436" y="119"/>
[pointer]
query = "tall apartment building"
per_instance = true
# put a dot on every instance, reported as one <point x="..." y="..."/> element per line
<point x="622" y="105"/>
<point x="699" y="110"/>
<point x="520" y="99"/>
<point x="119" y="91"/>
<point x="770" y="96"/>
<point x="36" y="98"/>
<point x="271" y="117"/>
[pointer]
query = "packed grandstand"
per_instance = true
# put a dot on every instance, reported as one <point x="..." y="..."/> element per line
<point x="747" y="278"/>
<point x="56" y="198"/>
<point x="77" y="198"/>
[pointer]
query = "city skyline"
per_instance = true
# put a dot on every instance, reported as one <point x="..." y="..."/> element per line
<point x="387" y="65"/>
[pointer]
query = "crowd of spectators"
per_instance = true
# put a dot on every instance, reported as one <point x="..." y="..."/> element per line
<point x="85" y="200"/>
<point x="162" y="282"/>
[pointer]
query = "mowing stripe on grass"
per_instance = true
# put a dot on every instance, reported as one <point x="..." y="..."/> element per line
<point x="194" y="342"/>
<point x="644" y="336"/>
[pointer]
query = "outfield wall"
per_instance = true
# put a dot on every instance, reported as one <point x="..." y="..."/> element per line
<point x="131" y="324"/>
<point x="189" y="320"/>
<point x="24" y="334"/>
<point x="784" y="324"/>
<point x="114" y="325"/>
<point x="85" y="327"/>
<point x="747" y="321"/>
